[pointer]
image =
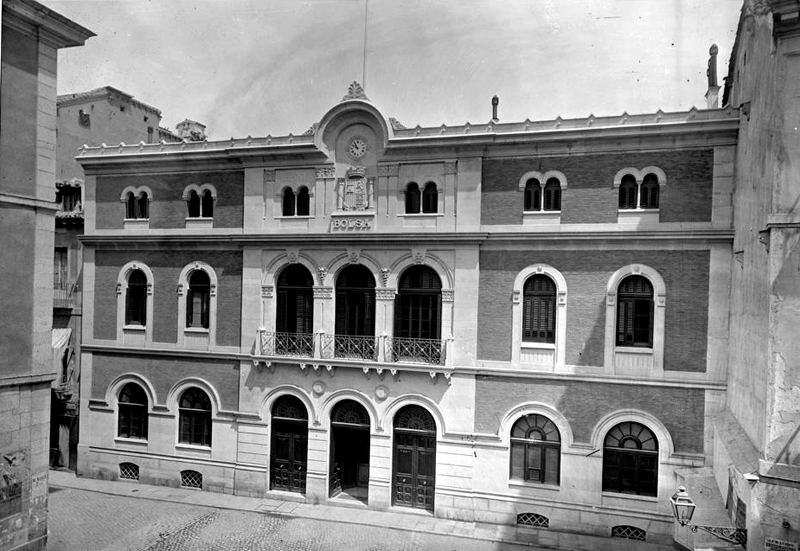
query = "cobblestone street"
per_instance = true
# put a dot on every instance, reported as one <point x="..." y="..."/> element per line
<point x="93" y="521"/>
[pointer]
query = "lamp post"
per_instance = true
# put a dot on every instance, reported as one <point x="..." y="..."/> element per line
<point x="683" y="508"/>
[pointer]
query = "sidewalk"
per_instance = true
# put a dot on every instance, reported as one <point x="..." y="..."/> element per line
<point x="344" y="513"/>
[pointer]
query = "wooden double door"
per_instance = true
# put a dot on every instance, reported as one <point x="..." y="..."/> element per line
<point x="414" y="478"/>
<point x="289" y="455"/>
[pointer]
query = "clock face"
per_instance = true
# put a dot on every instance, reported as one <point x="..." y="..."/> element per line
<point x="357" y="148"/>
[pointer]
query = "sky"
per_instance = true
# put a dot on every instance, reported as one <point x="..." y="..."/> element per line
<point x="259" y="67"/>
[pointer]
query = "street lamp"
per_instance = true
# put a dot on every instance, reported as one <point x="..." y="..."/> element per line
<point x="683" y="508"/>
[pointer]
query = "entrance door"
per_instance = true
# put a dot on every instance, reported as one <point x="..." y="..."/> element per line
<point x="349" y="461"/>
<point x="414" y="459"/>
<point x="289" y="450"/>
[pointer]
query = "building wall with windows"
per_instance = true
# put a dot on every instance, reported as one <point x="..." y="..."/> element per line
<point x="492" y="336"/>
<point x="32" y="34"/>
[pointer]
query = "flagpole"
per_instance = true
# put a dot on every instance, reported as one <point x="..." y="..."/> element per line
<point x="364" y="67"/>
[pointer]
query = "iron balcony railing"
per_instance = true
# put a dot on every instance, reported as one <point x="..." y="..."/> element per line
<point x="324" y="346"/>
<point x="407" y="350"/>
<point x="287" y="344"/>
<point x="350" y="347"/>
<point x="64" y="296"/>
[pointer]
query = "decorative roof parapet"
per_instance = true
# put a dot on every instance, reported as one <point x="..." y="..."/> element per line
<point x="593" y="123"/>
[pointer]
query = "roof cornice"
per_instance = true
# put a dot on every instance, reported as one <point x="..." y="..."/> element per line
<point x="54" y="29"/>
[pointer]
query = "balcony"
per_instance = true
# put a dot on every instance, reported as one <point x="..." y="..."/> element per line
<point x="365" y="352"/>
<point x="65" y="296"/>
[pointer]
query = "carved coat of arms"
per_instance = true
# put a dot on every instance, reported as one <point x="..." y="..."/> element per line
<point x="355" y="191"/>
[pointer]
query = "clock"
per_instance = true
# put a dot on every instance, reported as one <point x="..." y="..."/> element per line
<point x="357" y="148"/>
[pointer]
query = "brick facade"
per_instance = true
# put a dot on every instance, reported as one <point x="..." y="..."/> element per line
<point x="166" y="266"/>
<point x="590" y="197"/>
<point x="223" y="375"/>
<point x="167" y="207"/>
<point x="584" y="404"/>
<point x="587" y="273"/>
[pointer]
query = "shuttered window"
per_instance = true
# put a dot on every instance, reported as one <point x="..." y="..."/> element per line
<point x="635" y="312"/>
<point x="295" y="301"/>
<point x="539" y="310"/>
<point x="355" y="302"/>
<point x="418" y="304"/>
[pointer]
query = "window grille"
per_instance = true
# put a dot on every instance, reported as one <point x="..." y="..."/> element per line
<point x="348" y="412"/>
<point x="191" y="479"/>
<point x="415" y="418"/>
<point x="129" y="471"/>
<point x="289" y="407"/>
<point x="533" y="519"/>
<point x="628" y="532"/>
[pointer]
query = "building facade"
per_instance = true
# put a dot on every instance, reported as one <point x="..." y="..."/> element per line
<point x="521" y="323"/>
<point x="31" y="37"/>
<point x="102" y="115"/>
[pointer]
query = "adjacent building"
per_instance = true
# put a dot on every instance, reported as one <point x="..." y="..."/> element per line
<point x="31" y="37"/>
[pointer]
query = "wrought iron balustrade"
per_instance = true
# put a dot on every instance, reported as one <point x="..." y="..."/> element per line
<point x="287" y="344"/>
<point x="408" y="350"/>
<point x="355" y="347"/>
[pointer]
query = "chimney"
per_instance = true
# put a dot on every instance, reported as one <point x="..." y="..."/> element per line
<point x="192" y="131"/>
<point x="712" y="95"/>
<point x="495" y="101"/>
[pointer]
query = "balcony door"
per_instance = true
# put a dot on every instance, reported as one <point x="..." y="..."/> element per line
<point x="355" y="313"/>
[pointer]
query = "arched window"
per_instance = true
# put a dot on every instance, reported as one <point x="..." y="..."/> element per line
<point x="207" y="210"/>
<point x="130" y="206"/>
<point x="295" y="300"/>
<point x="303" y="202"/>
<point x="198" y="300"/>
<point x="533" y="195"/>
<point x="630" y="460"/>
<point x="413" y="198"/>
<point x="143" y="205"/>
<point x="552" y="195"/>
<point x="288" y="202"/>
<point x="355" y="313"/>
<point x="195" y="418"/>
<point x="418" y="304"/>
<point x="635" y="312"/>
<point x="430" y="198"/>
<point x="649" y="192"/>
<point x="539" y="310"/>
<point x="628" y="193"/>
<point x="136" y="299"/>
<point x="194" y="204"/>
<point x="132" y="414"/>
<point x="535" y="450"/>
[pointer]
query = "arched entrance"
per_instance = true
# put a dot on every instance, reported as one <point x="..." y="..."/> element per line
<point x="349" y="462"/>
<point x="289" y="450"/>
<point x="414" y="458"/>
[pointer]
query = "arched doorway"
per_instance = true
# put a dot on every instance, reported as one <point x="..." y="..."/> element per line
<point x="289" y="450"/>
<point x="349" y="462"/>
<point x="414" y="458"/>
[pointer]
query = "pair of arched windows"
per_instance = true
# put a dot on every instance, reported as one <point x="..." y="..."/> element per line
<point x="194" y="415"/>
<point x="296" y="204"/>
<point x="200" y="205"/>
<point x="540" y="197"/>
<point x="417" y="308"/>
<point x="198" y="299"/>
<point x="635" y="311"/>
<point x="137" y="205"/>
<point x="639" y="195"/>
<point x="426" y="200"/>
<point x="630" y="455"/>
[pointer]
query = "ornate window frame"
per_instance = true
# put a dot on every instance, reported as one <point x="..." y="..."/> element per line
<point x="440" y="193"/>
<point x="639" y="214"/>
<point x="202" y="221"/>
<point x="539" y="351"/>
<point x="136" y="223"/>
<point x="635" y="361"/>
<point x="295" y="189"/>
<point x="196" y="337"/>
<point x="112" y="397"/>
<point x="135" y="335"/>
<point x="541" y="216"/>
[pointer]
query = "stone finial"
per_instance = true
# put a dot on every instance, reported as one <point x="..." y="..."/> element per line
<point x="711" y="73"/>
<point x="355" y="91"/>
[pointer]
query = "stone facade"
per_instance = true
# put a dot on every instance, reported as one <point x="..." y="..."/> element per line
<point x="360" y="198"/>
<point x="31" y="37"/>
